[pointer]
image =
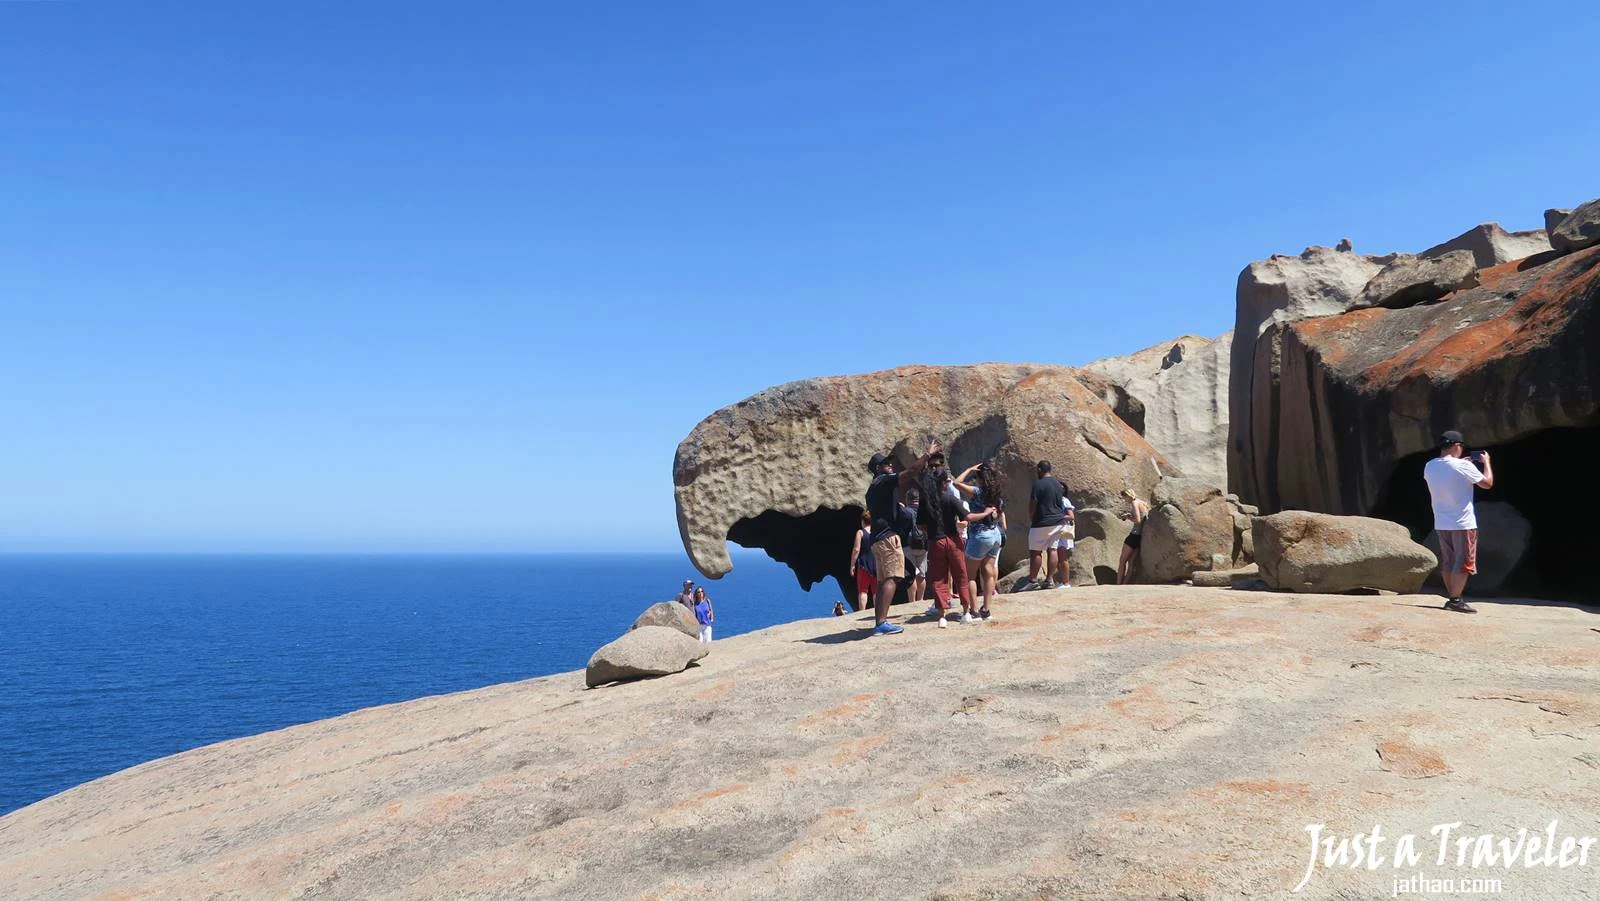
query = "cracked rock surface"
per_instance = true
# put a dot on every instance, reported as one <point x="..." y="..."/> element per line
<point x="1135" y="742"/>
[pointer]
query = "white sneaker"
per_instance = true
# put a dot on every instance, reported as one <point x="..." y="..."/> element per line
<point x="943" y="623"/>
<point x="968" y="619"/>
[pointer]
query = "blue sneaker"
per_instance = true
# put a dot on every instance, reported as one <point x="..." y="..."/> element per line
<point x="888" y="628"/>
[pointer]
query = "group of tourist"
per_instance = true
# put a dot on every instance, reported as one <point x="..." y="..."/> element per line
<point x="945" y="532"/>
<point x="694" y="597"/>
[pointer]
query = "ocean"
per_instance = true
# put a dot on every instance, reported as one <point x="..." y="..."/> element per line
<point x="110" y="661"/>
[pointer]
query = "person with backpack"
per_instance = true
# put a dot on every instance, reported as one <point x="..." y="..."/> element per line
<point x="916" y="546"/>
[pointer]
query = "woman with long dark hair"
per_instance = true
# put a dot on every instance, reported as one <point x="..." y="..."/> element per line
<point x="986" y="528"/>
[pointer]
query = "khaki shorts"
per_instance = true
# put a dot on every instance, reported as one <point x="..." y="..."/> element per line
<point x="891" y="561"/>
<point x="918" y="560"/>
<point x="1047" y="537"/>
<point x="1458" y="551"/>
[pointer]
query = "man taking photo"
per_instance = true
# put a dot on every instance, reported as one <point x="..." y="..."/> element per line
<point x="1451" y="479"/>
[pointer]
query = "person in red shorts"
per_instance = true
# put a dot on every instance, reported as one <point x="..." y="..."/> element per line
<point x="862" y="565"/>
<point x="1451" y="480"/>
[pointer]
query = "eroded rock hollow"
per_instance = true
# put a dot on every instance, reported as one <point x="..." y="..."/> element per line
<point x="785" y="470"/>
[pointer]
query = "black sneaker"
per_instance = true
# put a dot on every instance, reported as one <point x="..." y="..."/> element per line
<point x="1459" y="606"/>
<point x="1023" y="584"/>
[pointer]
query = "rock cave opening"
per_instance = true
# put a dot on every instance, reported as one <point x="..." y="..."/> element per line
<point x="1542" y="475"/>
<point x="814" y="546"/>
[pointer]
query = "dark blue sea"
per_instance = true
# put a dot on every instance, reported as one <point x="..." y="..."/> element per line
<point x="110" y="661"/>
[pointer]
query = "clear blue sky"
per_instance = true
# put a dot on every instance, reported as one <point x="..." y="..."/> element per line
<point x="395" y="276"/>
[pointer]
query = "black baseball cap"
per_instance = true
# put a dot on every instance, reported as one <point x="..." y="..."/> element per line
<point x="877" y="460"/>
<point x="1449" y="438"/>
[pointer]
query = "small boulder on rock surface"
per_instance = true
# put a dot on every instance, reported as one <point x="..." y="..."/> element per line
<point x="1412" y="280"/>
<point x="1579" y="229"/>
<point x="641" y="653"/>
<point x="671" y="614"/>
<point x="1318" y="553"/>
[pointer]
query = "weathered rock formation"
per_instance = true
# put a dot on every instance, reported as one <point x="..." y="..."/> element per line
<point x="1491" y="245"/>
<point x="1193" y="526"/>
<point x="1097" y="743"/>
<point x="1321" y="554"/>
<point x="1175" y="394"/>
<point x="1318" y="282"/>
<point x="785" y="470"/>
<point x="1098" y="546"/>
<point x="1360" y="399"/>
<point x="1411" y="280"/>
<point x="671" y="614"/>
<point x="643" y="652"/>
<point x="1189" y="522"/>
<point x="1578" y="229"/>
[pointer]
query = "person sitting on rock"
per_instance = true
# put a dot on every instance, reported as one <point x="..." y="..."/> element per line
<point x="838" y="608"/>
<point x="1130" y="545"/>
<point x="862" y="566"/>
<point x="703" y="614"/>
<point x="888" y="551"/>
<point x="1451" y="481"/>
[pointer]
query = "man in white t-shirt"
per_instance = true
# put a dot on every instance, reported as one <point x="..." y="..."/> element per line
<point x="1451" y="480"/>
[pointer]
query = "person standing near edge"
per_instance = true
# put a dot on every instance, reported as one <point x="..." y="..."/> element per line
<point x="686" y="596"/>
<point x="887" y="543"/>
<point x="1047" y="515"/>
<point x="1450" y="483"/>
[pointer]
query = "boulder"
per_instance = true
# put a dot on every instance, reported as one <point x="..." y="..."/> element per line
<point x="671" y="614"/>
<point x="1503" y="535"/>
<point x="1321" y="554"/>
<point x="1008" y="581"/>
<point x="1363" y="396"/>
<point x="1224" y="578"/>
<point x="785" y="469"/>
<point x="1411" y="280"/>
<point x="1189" y="521"/>
<point x="643" y="652"/>
<point x="1098" y="546"/>
<point x="1579" y="229"/>
<point x="1491" y="245"/>
<point x="1320" y="281"/>
<point x="1175" y="394"/>
<point x="1553" y="218"/>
